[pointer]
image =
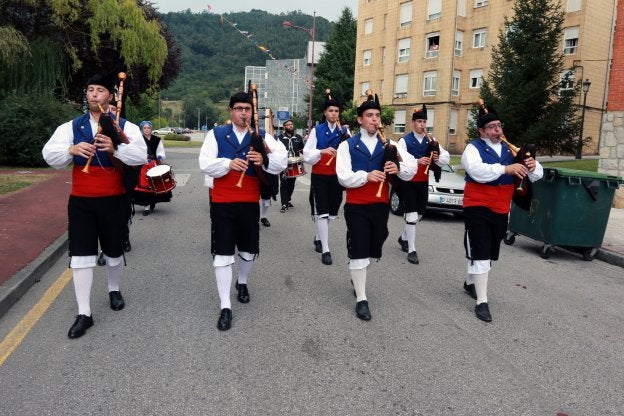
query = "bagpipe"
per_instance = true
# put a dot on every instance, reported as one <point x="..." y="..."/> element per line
<point x="390" y="154"/>
<point x="343" y="135"/>
<point x="108" y="126"/>
<point x="523" y="188"/>
<point x="257" y="141"/>
<point x="434" y="147"/>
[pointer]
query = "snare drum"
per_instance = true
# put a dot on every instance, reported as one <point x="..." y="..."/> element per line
<point x="295" y="167"/>
<point x="161" y="179"/>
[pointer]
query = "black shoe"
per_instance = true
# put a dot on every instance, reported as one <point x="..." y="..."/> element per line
<point x="283" y="209"/>
<point x="127" y="246"/>
<point x="146" y="212"/>
<point x="101" y="261"/>
<point x="483" y="312"/>
<point x="265" y="222"/>
<point x="79" y="328"/>
<point x="403" y="244"/>
<point x="362" y="311"/>
<point x="318" y="246"/>
<point x="116" y="300"/>
<point x="326" y="258"/>
<point x="412" y="257"/>
<point x="471" y="290"/>
<point x="289" y="205"/>
<point x="243" y="293"/>
<point x="225" y="320"/>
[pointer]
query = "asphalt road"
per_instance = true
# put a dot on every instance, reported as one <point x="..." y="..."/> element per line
<point x="555" y="345"/>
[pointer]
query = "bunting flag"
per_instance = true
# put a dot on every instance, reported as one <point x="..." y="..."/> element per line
<point x="292" y="70"/>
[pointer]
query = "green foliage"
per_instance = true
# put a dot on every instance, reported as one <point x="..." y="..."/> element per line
<point x="336" y="68"/>
<point x="28" y="121"/>
<point x="524" y="79"/>
<point x="349" y="115"/>
<point x="214" y="54"/>
<point x="13" y="45"/>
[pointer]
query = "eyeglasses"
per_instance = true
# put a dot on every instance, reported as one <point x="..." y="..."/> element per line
<point x="241" y="109"/>
<point x="493" y="126"/>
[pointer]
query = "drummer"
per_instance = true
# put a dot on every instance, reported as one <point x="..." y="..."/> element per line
<point x="294" y="144"/>
<point x="155" y="156"/>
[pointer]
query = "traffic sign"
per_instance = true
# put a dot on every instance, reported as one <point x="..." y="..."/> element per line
<point x="283" y="115"/>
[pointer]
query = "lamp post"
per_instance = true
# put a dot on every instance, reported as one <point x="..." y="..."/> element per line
<point x="579" y="147"/>
<point x="312" y="32"/>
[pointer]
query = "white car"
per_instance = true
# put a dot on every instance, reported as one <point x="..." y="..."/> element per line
<point x="445" y="196"/>
<point x="163" y="131"/>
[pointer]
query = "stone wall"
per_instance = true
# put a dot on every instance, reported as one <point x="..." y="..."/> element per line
<point x="612" y="150"/>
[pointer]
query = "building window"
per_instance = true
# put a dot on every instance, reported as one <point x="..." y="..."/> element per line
<point x="367" y="57"/>
<point x="400" y="86"/>
<point x="431" y="79"/>
<point x="566" y="81"/>
<point x="434" y="9"/>
<point x="570" y="40"/>
<point x="453" y="122"/>
<point x="573" y="6"/>
<point x="399" y="121"/>
<point x="433" y="45"/>
<point x="459" y="42"/>
<point x="430" y="119"/>
<point x="480" y="3"/>
<point x="478" y="39"/>
<point x="461" y="8"/>
<point x="405" y="14"/>
<point x="385" y="21"/>
<point x="383" y="55"/>
<point x="476" y="76"/>
<point x="404" y="49"/>
<point x="365" y="86"/>
<point x="368" y="26"/>
<point x="456" y="83"/>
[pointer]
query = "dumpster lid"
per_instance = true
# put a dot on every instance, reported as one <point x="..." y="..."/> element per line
<point x="579" y="174"/>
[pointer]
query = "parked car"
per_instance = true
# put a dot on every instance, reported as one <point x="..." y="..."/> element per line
<point x="163" y="131"/>
<point x="444" y="196"/>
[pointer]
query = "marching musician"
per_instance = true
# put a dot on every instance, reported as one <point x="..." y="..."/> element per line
<point x="234" y="209"/>
<point x="294" y="144"/>
<point x="490" y="176"/>
<point x="97" y="208"/>
<point x="325" y="191"/>
<point x="155" y="155"/>
<point x="360" y="167"/>
<point x="415" y="193"/>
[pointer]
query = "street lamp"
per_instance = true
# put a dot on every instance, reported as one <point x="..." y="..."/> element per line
<point x="312" y="32"/>
<point x="579" y="147"/>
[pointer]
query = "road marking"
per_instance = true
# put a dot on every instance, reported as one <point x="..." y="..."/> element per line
<point x="182" y="178"/>
<point x="17" y="334"/>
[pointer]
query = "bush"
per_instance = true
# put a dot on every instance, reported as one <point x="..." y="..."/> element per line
<point x="177" y="137"/>
<point x="27" y="122"/>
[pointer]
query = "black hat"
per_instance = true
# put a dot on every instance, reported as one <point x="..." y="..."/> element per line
<point x="106" y="80"/>
<point x="329" y="101"/>
<point x="240" y="97"/>
<point x="371" y="103"/>
<point x="420" y="113"/>
<point x="486" y="115"/>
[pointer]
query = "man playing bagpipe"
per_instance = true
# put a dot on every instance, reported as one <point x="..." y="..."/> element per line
<point x="236" y="158"/>
<point x="415" y="193"/>
<point x="491" y="172"/>
<point x="364" y="165"/>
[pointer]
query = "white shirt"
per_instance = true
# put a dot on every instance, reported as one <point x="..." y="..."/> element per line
<point x="444" y="158"/>
<point x="311" y="155"/>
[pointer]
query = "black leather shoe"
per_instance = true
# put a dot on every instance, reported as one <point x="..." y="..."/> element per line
<point x="283" y="209"/>
<point x="146" y="212"/>
<point x="326" y="258"/>
<point x="412" y="257"/>
<point x="403" y="244"/>
<point x="101" y="261"/>
<point x="116" y="300"/>
<point x="127" y="246"/>
<point x="483" y="312"/>
<point x="471" y="290"/>
<point x="289" y="205"/>
<point x="80" y="326"/>
<point x="243" y="293"/>
<point x="362" y="311"/>
<point x="225" y="320"/>
<point x="318" y="246"/>
<point x="265" y="222"/>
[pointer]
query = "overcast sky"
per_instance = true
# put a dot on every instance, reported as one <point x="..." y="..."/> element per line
<point x="329" y="9"/>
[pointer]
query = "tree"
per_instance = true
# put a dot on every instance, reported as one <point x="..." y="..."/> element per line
<point x="524" y="83"/>
<point x="336" y="67"/>
<point x="349" y="115"/>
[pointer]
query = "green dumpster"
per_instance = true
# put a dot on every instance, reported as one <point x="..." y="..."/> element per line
<point x="570" y="208"/>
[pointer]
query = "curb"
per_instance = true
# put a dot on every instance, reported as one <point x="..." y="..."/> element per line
<point x="610" y="257"/>
<point x="14" y="288"/>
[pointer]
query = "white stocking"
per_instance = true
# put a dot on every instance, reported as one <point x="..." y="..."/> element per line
<point x="83" y="278"/>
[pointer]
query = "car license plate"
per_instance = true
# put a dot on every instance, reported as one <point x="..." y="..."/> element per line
<point x="450" y="200"/>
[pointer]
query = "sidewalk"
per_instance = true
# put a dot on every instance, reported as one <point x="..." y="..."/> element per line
<point x="33" y="225"/>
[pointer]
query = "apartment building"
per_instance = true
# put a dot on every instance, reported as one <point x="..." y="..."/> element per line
<point x="438" y="51"/>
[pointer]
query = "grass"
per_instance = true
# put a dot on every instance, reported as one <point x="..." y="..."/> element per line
<point x="11" y="182"/>
<point x="588" y="165"/>
<point x="178" y="143"/>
